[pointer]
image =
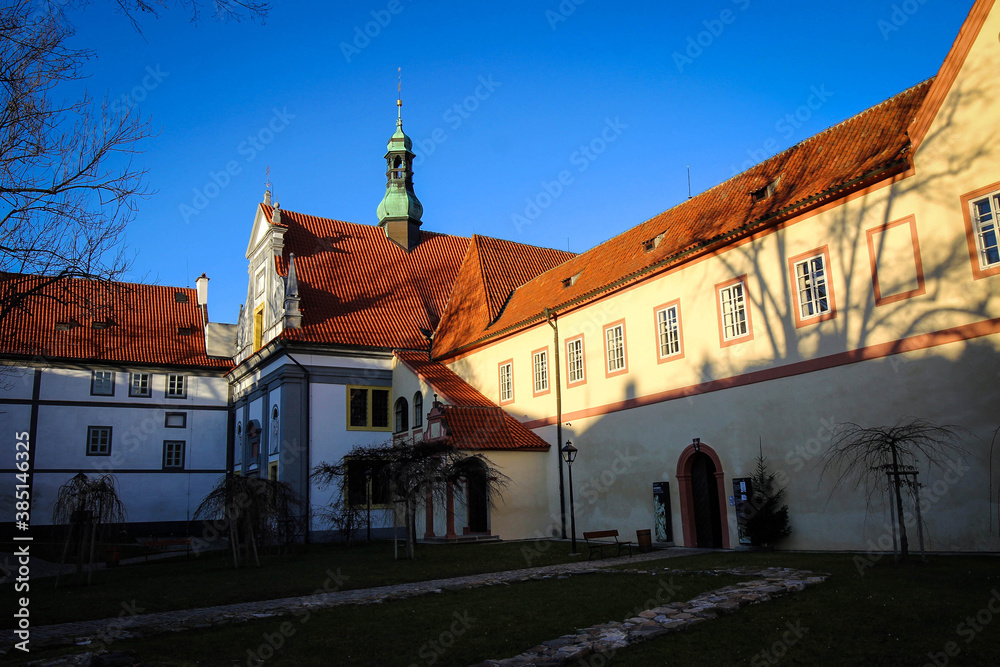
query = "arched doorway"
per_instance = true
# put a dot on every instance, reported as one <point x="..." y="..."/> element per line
<point x="702" y="490"/>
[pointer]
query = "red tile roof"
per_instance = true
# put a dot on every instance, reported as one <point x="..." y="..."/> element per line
<point x="859" y="151"/>
<point x="142" y="323"/>
<point x="474" y="427"/>
<point x="359" y="288"/>
<point x="474" y="421"/>
<point x="492" y="269"/>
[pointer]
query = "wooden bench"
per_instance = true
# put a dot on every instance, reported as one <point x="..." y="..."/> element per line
<point x="598" y="539"/>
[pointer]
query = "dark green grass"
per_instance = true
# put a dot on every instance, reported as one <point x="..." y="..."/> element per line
<point x="209" y="579"/>
<point x="893" y="615"/>
<point x="451" y="628"/>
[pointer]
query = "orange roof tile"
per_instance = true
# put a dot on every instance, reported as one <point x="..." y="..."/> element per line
<point x="359" y="288"/>
<point x="863" y="149"/>
<point x="142" y="323"/>
<point x="473" y="421"/>
<point x="475" y="427"/>
<point x="491" y="271"/>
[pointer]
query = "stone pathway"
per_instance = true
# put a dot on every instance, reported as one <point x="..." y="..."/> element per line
<point x="607" y="638"/>
<point x="132" y="623"/>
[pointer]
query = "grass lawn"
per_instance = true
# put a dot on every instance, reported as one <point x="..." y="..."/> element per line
<point x="209" y="579"/>
<point x="450" y="628"/>
<point x="890" y="616"/>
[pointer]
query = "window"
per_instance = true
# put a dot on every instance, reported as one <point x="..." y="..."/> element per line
<point x="813" y="293"/>
<point x="506" y="382"/>
<point x="574" y="362"/>
<point x="668" y="331"/>
<point x="540" y="366"/>
<point x="402" y="415"/>
<point x="102" y="383"/>
<point x="734" y="316"/>
<point x="614" y="348"/>
<point x="258" y="328"/>
<point x="98" y="441"/>
<point x="175" y="420"/>
<point x="139" y="385"/>
<point x="173" y="454"/>
<point x="418" y="410"/>
<point x="367" y="408"/>
<point x="272" y="471"/>
<point x="367" y="482"/>
<point x="176" y="386"/>
<point x="984" y="218"/>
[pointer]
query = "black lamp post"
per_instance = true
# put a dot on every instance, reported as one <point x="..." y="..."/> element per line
<point x="368" y="474"/>
<point x="569" y="455"/>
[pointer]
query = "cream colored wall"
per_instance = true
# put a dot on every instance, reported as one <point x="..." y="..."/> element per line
<point x="953" y="383"/>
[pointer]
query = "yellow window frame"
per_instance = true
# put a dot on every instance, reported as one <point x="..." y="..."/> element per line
<point x="368" y="420"/>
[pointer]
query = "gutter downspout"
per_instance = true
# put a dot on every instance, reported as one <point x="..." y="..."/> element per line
<point x="552" y="320"/>
<point x="307" y="448"/>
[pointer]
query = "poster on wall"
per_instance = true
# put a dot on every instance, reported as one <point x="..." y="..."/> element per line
<point x="661" y="512"/>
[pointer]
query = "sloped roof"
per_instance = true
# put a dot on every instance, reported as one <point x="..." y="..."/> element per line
<point x="473" y="421"/>
<point x="141" y="324"/>
<point x="859" y="151"/>
<point x="359" y="288"/>
<point x="475" y="427"/>
<point x="492" y="269"/>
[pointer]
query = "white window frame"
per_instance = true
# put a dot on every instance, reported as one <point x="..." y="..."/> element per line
<point x="812" y="292"/>
<point x="176" y="386"/>
<point x="95" y="435"/>
<point x="140" y="385"/>
<point x="615" y="361"/>
<point x="540" y="368"/>
<point x="102" y="383"/>
<point x="986" y="233"/>
<point x="506" y="379"/>
<point x="576" y="371"/>
<point x="733" y="310"/>
<point x="668" y="331"/>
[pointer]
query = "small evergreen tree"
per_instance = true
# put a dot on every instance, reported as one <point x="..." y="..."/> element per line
<point x="766" y="517"/>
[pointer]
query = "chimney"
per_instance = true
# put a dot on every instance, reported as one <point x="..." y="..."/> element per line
<point x="202" y="286"/>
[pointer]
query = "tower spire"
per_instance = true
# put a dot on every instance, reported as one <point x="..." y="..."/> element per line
<point x="400" y="211"/>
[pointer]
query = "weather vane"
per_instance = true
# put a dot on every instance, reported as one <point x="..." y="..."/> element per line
<point x="399" y="97"/>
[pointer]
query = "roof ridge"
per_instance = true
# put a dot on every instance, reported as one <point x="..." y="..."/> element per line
<point x="82" y="279"/>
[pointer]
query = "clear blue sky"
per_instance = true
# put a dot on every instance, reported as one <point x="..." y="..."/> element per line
<point x="534" y="83"/>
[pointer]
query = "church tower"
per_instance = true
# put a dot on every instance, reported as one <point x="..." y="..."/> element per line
<point x="400" y="211"/>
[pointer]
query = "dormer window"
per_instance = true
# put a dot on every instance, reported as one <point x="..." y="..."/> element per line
<point x="569" y="282"/>
<point x="180" y="297"/>
<point x="765" y="192"/>
<point x="654" y="242"/>
<point x="100" y="324"/>
<point x="183" y="331"/>
<point x="64" y="326"/>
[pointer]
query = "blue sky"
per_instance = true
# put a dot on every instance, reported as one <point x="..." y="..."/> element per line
<point x="553" y="123"/>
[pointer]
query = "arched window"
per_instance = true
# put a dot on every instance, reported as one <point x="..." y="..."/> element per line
<point x="397" y="168"/>
<point x="402" y="415"/>
<point x="418" y="410"/>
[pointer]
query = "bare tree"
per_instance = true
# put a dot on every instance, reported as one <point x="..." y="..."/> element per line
<point x="878" y="457"/>
<point x="68" y="178"/>
<point x="412" y="469"/>
<point x="89" y="508"/>
<point x="253" y="512"/>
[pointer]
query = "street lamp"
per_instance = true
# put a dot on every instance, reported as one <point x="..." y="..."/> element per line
<point x="569" y="455"/>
